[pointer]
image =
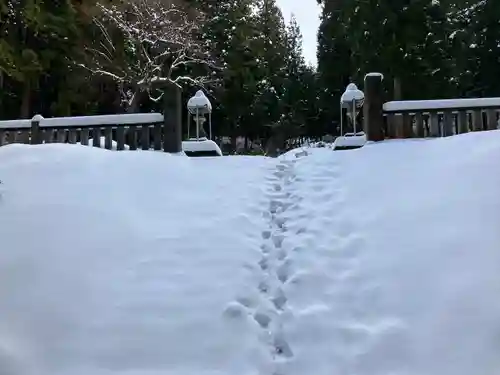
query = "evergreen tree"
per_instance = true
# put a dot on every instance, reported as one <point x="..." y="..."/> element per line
<point x="477" y="40"/>
<point x="37" y="41"/>
<point x="262" y="87"/>
<point x="334" y="63"/>
<point x="230" y="34"/>
<point x="410" y="40"/>
<point x="271" y="52"/>
<point x="299" y="91"/>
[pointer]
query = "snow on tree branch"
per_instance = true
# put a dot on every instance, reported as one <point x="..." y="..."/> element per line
<point x="146" y="42"/>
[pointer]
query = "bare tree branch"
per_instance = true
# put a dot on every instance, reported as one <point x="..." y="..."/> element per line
<point x="146" y="42"/>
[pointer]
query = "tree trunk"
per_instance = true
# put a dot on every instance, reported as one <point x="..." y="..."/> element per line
<point x="172" y="118"/>
<point x="398" y="118"/>
<point x="234" y="138"/>
<point x="276" y="143"/>
<point x="397" y="89"/>
<point x="26" y="100"/>
<point x="135" y="102"/>
<point x="133" y="107"/>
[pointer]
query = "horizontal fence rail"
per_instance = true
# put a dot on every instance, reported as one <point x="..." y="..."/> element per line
<point x="441" y="104"/>
<point x="440" y="118"/>
<point x="144" y="131"/>
<point x="424" y="118"/>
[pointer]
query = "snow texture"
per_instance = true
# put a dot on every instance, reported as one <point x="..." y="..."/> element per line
<point x="352" y="93"/>
<point x="380" y="260"/>
<point x="199" y="104"/>
<point x="102" y="143"/>
<point x="420" y="105"/>
<point x="190" y="145"/>
<point x="352" y="140"/>
<point x="375" y="74"/>
<point x="201" y="145"/>
<point x="15" y="124"/>
<point x="56" y="122"/>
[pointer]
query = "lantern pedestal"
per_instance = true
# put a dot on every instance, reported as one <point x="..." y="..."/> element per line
<point x="351" y="101"/>
<point x="199" y="106"/>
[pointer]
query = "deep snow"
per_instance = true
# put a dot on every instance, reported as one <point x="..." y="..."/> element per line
<point x="382" y="260"/>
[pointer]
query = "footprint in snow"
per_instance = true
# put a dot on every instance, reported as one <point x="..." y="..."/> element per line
<point x="266" y="234"/>
<point x="235" y="311"/>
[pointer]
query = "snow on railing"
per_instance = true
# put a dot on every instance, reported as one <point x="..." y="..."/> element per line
<point x="85" y="121"/>
<point x="424" y="118"/>
<point x="440" y="118"/>
<point x="441" y="104"/>
<point x="120" y="131"/>
<point x="15" y="124"/>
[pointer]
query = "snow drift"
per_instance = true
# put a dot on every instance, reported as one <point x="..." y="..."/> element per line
<point x="381" y="260"/>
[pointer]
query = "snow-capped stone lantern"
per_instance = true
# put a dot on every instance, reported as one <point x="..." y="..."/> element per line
<point x="199" y="106"/>
<point x="352" y="100"/>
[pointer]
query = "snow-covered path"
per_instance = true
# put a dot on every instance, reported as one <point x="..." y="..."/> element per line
<point x="396" y="271"/>
<point x="330" y="300"/>
<point x="126" y="262"/>
<point x="376" y="261"/>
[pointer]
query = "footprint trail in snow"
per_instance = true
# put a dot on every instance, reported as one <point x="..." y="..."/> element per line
<point x="311" y="301"/>
<point x="335" y="322"/>
<point x="275" y="265"/>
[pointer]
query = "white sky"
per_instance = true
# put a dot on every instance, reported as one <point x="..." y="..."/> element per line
<point x="307" y="14"/>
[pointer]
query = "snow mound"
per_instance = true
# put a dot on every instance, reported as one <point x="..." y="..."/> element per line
<point x="102" y="144"/>
<point x="380" y="260"/>
<point x="117" y="262"/>
<point x="397" y="259"/>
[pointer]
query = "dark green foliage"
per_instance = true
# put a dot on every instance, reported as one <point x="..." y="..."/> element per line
<point x="426" y="49"/>
<point x="253" y="71"/>
<point x="36" y="38"/>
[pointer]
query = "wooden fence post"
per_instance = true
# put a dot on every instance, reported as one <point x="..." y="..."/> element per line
<point x="35" y="130"/>
<point x="373" y="119"/>
<point x="172" y="119"/>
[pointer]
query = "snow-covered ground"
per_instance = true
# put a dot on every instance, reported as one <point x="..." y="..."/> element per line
<point x="382" y="260"/>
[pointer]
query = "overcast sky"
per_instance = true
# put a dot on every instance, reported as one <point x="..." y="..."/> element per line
<point x="307" y="15"/>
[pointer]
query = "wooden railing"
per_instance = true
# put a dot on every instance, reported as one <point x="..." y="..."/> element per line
<point x="144" y="131"/>
<point x="425" y="118"/>
<point x="440" y="118"/>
